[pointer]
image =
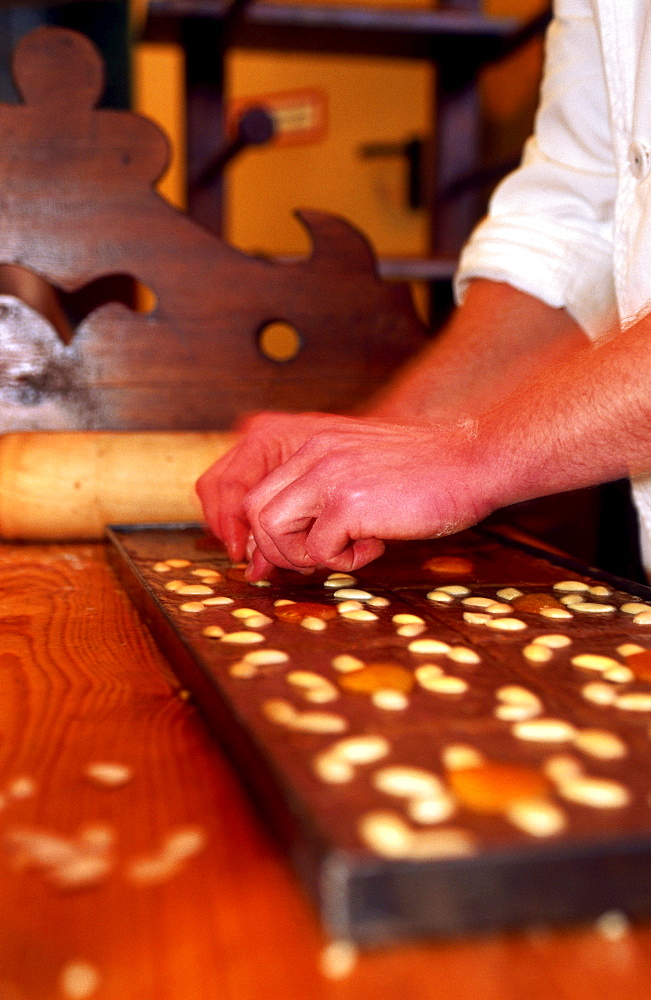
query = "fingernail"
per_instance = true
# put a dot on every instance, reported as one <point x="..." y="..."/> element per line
<point x="250" y="574"/>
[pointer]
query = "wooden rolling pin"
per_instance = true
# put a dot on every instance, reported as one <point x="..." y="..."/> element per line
<point x="69" y="485"/>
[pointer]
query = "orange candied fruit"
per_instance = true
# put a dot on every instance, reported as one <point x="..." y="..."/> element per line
<point x="534" y="603"/>
<point x="378" y="677"/>
<point x="305" y="609"/>
<point x="449" y="565"/>
<point x="493" y="787"/>
<point x="640" y="664"/>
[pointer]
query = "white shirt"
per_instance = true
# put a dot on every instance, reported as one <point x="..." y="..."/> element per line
<point x="572" y="225"/>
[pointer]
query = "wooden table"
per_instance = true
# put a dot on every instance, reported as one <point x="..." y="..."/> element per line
<point x="81" y="682"/>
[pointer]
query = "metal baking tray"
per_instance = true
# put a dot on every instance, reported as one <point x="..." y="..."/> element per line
<point x="490" y="873"/>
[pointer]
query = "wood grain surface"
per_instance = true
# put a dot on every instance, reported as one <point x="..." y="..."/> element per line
<point x="81" y="682"/>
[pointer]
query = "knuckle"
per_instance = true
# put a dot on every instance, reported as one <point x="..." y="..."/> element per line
<point x="249" y="506"/>
<point x="266" y="519"/>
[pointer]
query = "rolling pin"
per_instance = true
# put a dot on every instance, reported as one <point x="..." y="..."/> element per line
<point x="70" y="484"/>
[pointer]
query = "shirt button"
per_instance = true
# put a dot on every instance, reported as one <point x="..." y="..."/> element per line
<point x="639" y="159"/>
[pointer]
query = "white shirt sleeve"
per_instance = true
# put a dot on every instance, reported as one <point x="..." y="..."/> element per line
<point x="549" y="228"/>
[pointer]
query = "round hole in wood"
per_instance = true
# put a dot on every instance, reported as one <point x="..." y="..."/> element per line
<point x="279" y="341"/>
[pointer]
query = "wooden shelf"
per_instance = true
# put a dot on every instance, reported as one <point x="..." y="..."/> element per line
<point x="456" y="37"/>
<point x="417" y="269"/>
<point x="388" y="31"/>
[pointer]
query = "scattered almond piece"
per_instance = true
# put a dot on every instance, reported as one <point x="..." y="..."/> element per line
<point x="595" y="661"/>
<point x="509" y="593"/>
<point x="360" y="615"/>
<point x="544" y="730"/>
<point x="410" y="630"/>
<point x="351" y="594"/>
<point x="283" y="713"/>
<point x="389" y="700"/>
<point x="463" y="654"/>
<point x="506" y="624"/>
<point x="177" y="848"/>
<point x="619" y="675"/>
<point x="475" y="618"/>
<point x="630" y="649"/>
<point x="338" y="959"/>
<point x="213" y="632"/>
<point x="538" y="818"/>
<point x="428" y="646"/>
<point x="537" y="653"/>
<point x="600" y="743"/>
<point x="440" y="597"/>
<point x="386" y="833"/>
<point x="22" y="787"/>
<point x="243" y="670"/>
<point x="446" y="684"/>
<point x="346" y="664"/>
<point x="552" y="641"/>
<point x="349" y="606"/>
<point x="109" y="774"/>
<point x="633" y="701"/>
<point x="266" y="657"/>
<point x="460" y="755"/>
<point x="599" y="693"/>
<point x="599" y="793"/>
<point x="242" y="638"/>
<point x="78" y="980"/>
<point x="555" y="613"/>
<point x="407" y="782"/>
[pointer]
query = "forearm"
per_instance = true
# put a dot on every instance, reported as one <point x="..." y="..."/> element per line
<point x="499" y="338"/>
<point x="584" y="421"/>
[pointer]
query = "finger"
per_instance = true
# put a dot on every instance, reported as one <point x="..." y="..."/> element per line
<point x="356" y="554"/>
<point x="229" y="522"/>
<point x="334" y="541"/>
<point x="291" y="552"/>
<point x="223" y="506"/>
<point x="287" y="525"/>
<point x="299" y="521"/>
<point x="223" y="487"/>
<point x="259" y="568"/>
<point x="233" y="532"/>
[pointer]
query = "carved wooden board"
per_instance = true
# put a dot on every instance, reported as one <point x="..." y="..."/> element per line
<point x="78" y="209"/>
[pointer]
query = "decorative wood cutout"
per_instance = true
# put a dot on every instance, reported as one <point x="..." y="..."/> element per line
<point x="77" y="204"/>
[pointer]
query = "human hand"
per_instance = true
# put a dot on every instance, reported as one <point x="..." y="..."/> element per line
<point x="267" y="440"/>
<point x="348" y="485"/>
